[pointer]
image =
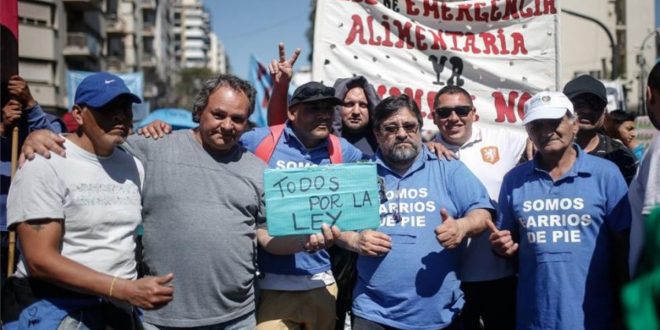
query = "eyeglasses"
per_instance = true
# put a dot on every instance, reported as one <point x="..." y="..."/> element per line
<point x="409" y="128"/>
<point x="461" y="111"/>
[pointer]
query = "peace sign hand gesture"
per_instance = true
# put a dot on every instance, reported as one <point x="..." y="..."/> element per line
<point x="281" y="71"/>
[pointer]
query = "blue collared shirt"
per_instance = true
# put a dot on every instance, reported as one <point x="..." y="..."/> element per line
<point x="564" y="230"/>
<point x="414" y="286"/>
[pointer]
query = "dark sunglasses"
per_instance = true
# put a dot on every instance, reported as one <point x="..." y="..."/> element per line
<point x="461" y="111"/>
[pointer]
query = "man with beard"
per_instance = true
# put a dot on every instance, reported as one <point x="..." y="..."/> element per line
<point x="589" y="98"/>
<point x="304" y="279"/>
<point x="566" y="214"/>
<point x="406" y="280"/>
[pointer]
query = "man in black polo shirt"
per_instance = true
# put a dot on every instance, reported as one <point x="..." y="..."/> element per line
<point x="589" y="99"/>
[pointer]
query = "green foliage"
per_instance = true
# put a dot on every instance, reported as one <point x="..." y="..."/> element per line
<point x="188" y="83"/>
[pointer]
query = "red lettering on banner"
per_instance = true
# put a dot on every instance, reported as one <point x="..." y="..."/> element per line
<point x="549" y="7"/>
<point x="375" y="34"/>
<point x="505" y="110"/>
<point x="445" y="10"/>
<point x="495" y="15"/>
<point x="410" y="8"/>
<point x="431" y="7"/>
<point x="478" y="15"/>
<point x="464" y="12"/>
<point x="370" y="26"/>
<point x="485" y="11"/>
<point x="510" y="10"/>
<point x="404" y="34"/>
<point x="357" y="31"/>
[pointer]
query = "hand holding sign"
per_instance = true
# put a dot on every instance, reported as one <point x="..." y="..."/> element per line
<point x="300" y="200"/>
<point x="501" y="240"/>
<point x="322" y="240"/>
<point x="450" y="232"/>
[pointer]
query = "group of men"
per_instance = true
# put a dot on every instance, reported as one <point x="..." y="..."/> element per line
<point x="199" y="196"/>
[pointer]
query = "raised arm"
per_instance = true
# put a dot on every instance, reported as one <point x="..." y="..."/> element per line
<point x="281" y="72"/>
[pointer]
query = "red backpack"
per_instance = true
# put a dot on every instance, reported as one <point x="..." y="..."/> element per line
<point x="266" y="148"/>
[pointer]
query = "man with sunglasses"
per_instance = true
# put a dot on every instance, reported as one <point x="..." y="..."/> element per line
<point x="407" y="268"/>
<point x="488" y="281"/>
<point x="589" y="98"/>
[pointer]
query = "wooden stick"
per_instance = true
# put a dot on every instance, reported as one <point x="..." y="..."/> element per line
<point x="12" y="235"/>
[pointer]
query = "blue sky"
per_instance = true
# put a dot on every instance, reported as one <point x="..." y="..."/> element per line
<point x="257" y="26"/>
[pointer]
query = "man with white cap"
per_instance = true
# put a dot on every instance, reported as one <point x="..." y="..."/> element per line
<point x="566" y="214"/>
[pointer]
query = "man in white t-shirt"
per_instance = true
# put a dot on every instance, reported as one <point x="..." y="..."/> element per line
<point x="488" y="280"/>
<point x="76" y="219"/>
<point x="644" y="191"/>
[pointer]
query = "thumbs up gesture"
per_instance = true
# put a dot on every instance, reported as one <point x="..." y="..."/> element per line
<point x="450" y="232"/>
<point x="501" y="240"/>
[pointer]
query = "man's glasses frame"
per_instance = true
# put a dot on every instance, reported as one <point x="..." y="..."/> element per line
<point x="410" y="128"/>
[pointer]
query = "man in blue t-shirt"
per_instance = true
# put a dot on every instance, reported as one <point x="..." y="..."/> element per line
<point x="303" y="280"/>
<point x="566" y="215"/>
<point x="407" y="268"/>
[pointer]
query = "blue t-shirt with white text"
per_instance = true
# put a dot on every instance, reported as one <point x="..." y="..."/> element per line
<point x="414" y="286"/>
<point x="289" y="152"/>
<point x="564" y="229"/>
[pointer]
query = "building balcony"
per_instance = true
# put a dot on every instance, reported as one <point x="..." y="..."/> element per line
<point x="116" y="26"/>
<point x="116" y="64"/>
<point x="81" y="44"/>
<point x="149" y="4"/>
<point x="148" y="30"/>
<point x="150" y="90"/>
<point x="83" y="4"/>
<point x="148" y="60"/>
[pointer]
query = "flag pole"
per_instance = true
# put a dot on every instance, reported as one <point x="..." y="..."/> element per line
<point x="8" y="68"/>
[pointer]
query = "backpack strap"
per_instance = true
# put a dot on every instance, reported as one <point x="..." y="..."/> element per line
<point x="266" y="148"/>
<point x="334" y="150"/>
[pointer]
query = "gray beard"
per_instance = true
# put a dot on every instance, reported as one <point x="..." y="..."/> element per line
<point x="403" y="154"/>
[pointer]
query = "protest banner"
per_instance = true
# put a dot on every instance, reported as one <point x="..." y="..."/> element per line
<point x="300" y="200"/>
<point x="502" y="52"/>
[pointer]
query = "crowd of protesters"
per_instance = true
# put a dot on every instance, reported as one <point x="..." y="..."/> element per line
<point x="540" y="229"/>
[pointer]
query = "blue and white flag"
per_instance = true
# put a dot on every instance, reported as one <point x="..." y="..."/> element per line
<point x="259" y="77"/>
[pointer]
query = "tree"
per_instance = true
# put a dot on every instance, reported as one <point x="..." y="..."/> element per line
<point x="189" y="83"/>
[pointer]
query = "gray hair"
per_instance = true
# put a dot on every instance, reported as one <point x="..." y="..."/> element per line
<point x="202" y="98"/>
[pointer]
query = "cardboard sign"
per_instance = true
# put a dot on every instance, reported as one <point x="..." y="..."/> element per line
<point x="300" y="200"/>
<point x="502" y="52"/>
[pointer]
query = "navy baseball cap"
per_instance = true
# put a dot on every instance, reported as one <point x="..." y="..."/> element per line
<point x="586" y="84"/>
<point x="314" y="92"/>
<point x="101" y="88"/>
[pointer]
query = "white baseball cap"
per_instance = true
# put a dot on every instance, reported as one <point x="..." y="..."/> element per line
<point x="547" y="105"/>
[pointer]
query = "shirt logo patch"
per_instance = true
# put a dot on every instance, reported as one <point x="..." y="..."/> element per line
<point x="490" y="154"/>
